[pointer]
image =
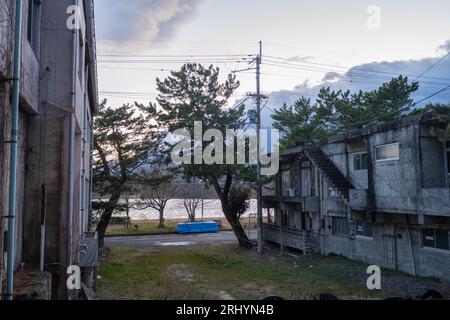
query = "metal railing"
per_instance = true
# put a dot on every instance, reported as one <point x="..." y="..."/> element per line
<point x="290" y="230"/>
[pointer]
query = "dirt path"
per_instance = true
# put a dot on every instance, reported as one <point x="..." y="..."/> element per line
<point x="186" y="275"/>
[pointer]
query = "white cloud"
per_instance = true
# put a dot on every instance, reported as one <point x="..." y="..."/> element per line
<point x="129" y="22"/>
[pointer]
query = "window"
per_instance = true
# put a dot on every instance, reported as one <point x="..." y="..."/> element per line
<point x="436" y="238"/>
<point x="33" y="24"/>
<point x="388" y="152"/>
<point x="341" y="227"/>
<point x="364" y="229"/>
<point x="81" y="56"/>
<point x="360" y="161"/>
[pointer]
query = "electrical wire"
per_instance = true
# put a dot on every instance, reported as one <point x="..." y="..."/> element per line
<point x="148" y="61"/>
<point x="175" y="55"/>
<point x="432" y="95"/>
<point x="301" y="63"/>
<point x="432" y="66"/>
<point x="348" y="73"/>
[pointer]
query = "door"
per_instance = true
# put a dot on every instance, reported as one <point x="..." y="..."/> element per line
<point x="390" y="245"/>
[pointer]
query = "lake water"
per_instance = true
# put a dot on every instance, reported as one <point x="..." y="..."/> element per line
<point x="175" y="210"/>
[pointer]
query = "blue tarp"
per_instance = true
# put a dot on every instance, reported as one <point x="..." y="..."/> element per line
<point x="198" y="227"/>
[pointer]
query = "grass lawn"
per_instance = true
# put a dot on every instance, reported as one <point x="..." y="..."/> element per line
<point x="228" y="272"/>
<point x="151" y="226"/>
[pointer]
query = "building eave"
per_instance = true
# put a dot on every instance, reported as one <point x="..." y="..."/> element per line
<point x="92" y="54"/>
<point x="351" y="135"/>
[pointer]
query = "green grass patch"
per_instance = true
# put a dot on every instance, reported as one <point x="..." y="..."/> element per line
<point x="215" y="272"/>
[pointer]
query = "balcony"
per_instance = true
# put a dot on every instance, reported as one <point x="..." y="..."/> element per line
<point x="291" y="196"/>
<point x="307" y="241"/>
<point x="436" y="202"/>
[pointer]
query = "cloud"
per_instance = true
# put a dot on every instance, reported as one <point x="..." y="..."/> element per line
<point x="128" y="21"/>
<point x="370" y="76"/>
<point x="445" y="47"/>
<point x="331" y="76"/>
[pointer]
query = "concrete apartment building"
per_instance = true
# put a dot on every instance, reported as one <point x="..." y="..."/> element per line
<point x="378" y="195"/>
<point x="58" y="97"/>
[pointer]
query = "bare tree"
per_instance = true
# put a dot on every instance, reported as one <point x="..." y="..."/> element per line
<point x="192" y="197"/>
<point x="128" y="194"/>
<point x="156" y="195"/>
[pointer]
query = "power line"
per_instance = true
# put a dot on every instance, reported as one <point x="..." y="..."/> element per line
<point x="212" y="61"/>
<point x="432" y="66"/>
<point x="174" y="55"/>
<point x="348" y="73"/>
<point x="136" y="69"/>
<point x="240" y="104"/>
<point x="128" y="92"/>
<point x="432" y="95"/>
<point x="299" y="63"/>
<point x="172" y="41"/>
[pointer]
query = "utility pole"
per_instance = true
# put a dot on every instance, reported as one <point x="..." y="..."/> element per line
<point x="259" y="224"/>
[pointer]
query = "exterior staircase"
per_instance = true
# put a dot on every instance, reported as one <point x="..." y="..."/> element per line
<point x="331" y="172"/>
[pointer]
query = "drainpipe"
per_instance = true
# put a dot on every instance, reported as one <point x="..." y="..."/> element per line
<point x="13" y="153"/>
<point x="70" y="166"/>
<point x="84" y="155"/>
<point x="43" y="219"/>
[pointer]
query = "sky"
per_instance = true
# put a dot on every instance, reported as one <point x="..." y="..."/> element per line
<point x="347" y="44"/>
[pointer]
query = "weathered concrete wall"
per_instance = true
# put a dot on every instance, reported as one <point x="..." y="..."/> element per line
<point x="375" y="251"/>
<point x="398" y="185"/>
<point x="395" y="182"/>
<point x="43" y="137"/>
<point x="433" y="163"/>
<point x="390" y="247"/>
<point x="29" y="89"/>
<point x="21" y="158"/>
<point x="6" y="22"/>
<point x="435" y="202"/>
<point x="55" y="54"/>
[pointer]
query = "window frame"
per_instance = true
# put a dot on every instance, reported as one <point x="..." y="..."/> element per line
<point x="360" y="154"/>
<point x="387" y="159"/>
<point x="365" y="224"/>
<point x="435" y="239"/>
<point x="34" y="25"/>
<point x="81" y="58"/>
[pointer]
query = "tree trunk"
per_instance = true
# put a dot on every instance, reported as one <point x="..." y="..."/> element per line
<point x="237" y="227"/>
<point x="192" y="216"/>
<point x="161" y="219"/>
<point x="128" y="222"/>
<point x="106" y="217"/>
